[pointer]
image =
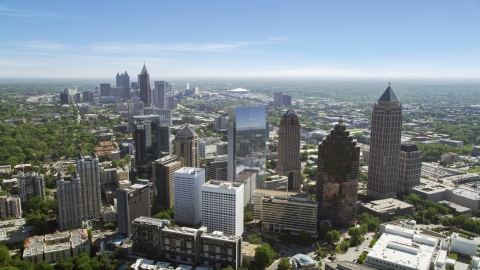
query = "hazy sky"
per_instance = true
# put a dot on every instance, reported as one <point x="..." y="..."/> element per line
<point x="382" y="39"/>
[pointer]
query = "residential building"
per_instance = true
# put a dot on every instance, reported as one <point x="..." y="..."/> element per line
<point x="132" y="203"/>
<point x="30" y="184"/>
<point x="277" y="98"/>
<point x="385" y="138"/>
<point x="88" y="168"/>
<point x="160" y="98"/>
<point x="386" y="209"/>
<point x="216" y="168"/>
<point x="288" y="163"/>
<point x="187" y="147"/>
<point x="281" y="212"/>
<point x="337" y="177"/>
<point x="70" y="202"/>
<point x="109" y="214"/>
<point x="410" y="168"/>
<point x="247" y="144"/>
<point x="144" y="84"/>
<point x="222" y="206"/>
<point x="220" y="251"/>
<point x="188" y="182"/>
<point x="10" y="207"/>
<point x="146" y="235"/>
<point x="33" y="249"/>
<point x="181" y="244"/>
<point x="79" y="242"/>
<point x="163" y="181"/>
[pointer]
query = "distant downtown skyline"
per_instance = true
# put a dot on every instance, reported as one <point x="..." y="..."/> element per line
<point x="348" y="39"/>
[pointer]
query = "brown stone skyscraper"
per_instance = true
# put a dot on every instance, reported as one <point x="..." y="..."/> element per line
<point x="337" y="177"/>
<point x="385" y="139"/>
<point x="289" y="149"/>
<point x="187" y="147"/>
<point x="144" y="83"/>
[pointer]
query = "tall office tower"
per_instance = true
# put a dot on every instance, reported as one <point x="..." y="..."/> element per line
<point x="410" y="168"/>
<point x="134" y="109"/>
<point x="151" y="137"/>
<point x="277" y="98"/>
<point x="164" y="116"/>
<point x="70" y="202"/>
<point x="144" y="84"/>
<point x="160" y="99"/>
<point x="89" y="170"/>
<point x="337" y="177"/>
<point x="220" y="123"/>
<point x="171" y="104"/>
<point x="216" y="168"/>
<point x="88" y="96"/>
<point x="289" y="149"/>
<point x="30" y="184"/>
<point x="105" y="89"/>
<point x="132" y="203"/>
<point x="126" y="85"/>
<point x="163" y="187"/>
<point x="134" y="85"/>
<point x="10" y="207"/>
<point x="286" y="100"/>
<point x="188" y="195"/>
<point x="385" y="139"/>
<point x="185" y="86"/>
<point x="187" y="147"/>
<point x="222" y="206"/>
<point x="119" y="80"/>
<point x="247" y="145"/>
<point x="202" y="148"/>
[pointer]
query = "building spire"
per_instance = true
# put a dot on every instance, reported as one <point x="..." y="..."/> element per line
<point x="389" y="84"/>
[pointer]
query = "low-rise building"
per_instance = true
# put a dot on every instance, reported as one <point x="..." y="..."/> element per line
<point x="304" y="262"/>
<point x="10" y="207"/>
<point x="463" y="197"/>
<point x="386" y="209"/>
<point x="432" y="192"/>
<point x="79" y="242"/>
<point x="282" y="212"/>
<point x="451" y="142"/>
<point x="33" y="249"/>
<point x="179" y="244"/>
<point x="57" y="246"/>
<point x="109" y="214"/>
<point x="404" y="248"/>
<point x="463" y="246"/>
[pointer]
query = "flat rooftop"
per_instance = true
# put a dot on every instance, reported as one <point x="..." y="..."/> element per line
<point x="151" y="221"/>
<point x="276" y="192"/>
<point x="431" y="188"/>
<point x="222" y="184"/>
<point x="57" y="247"/>
<point x="402" y="251"/>
<point x="33" y="246"/>
<point x="184" y="230"/>
<point x="386" y="205"/>
<point x="220" y="235"/>
<point x="79" y="237"/>
<point x="467" y="194"/>
<point x="57" y="236"/>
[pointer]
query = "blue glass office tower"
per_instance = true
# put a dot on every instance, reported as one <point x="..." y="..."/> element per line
<point x="247" y="147"/>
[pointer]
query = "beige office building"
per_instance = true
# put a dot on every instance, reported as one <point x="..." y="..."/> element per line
<point x="282" y="212"/>
<point x="187" y="147"/>
<point x="163" y="184"/>
<point x="289" y="149"/>
<point x="385" y="139"/>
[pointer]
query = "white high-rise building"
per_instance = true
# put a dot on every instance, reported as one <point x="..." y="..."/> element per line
<point x="160" y="98"/>
<point x="186" y="86"/>
<point x="89" y="170"/>
<point x="222" y="206"/>
<point x="187" y="183"/>
<point x="70" y="208"/>
<point x="202" y="147"/>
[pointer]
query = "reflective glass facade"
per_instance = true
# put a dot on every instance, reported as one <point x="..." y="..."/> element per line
<point x="247" y="143"/>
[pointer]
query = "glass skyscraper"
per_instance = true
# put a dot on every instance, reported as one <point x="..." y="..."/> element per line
<point x="247" y="146"/>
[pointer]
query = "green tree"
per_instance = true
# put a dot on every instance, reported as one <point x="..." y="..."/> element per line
<point x="356" y="235"/>
<point x="264" y="256"/>
<point x="70" y="169"/>
<point x="4" y="255"/>
<point x="332" y="237"/>
<point x="247" y="216"/>
<point x="43" y="265"/>
<point x="254" y="239"/>
<point x="284" y="264"/>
